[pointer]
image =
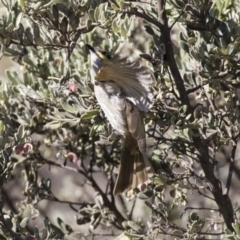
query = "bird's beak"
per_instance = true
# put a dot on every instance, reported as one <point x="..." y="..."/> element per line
<point x="90" y="48"/>
<point x="94" y="57"/>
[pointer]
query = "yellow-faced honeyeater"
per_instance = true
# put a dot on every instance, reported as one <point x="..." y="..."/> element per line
<point x="122" y="89"/>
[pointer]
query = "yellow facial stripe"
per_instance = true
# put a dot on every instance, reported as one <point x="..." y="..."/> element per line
<point x="102" y="56"/>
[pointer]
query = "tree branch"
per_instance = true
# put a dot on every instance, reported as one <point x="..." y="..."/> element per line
<point x="84" y="172"/>
<point x="229" y="179"/>
<point x="223" y="201"/>
<point x="9" y="229"/>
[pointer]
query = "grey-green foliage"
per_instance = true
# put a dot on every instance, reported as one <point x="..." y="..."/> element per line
<point x="50" y="94"/>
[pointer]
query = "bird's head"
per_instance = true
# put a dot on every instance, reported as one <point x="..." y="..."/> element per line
<point x="98" y="57"/>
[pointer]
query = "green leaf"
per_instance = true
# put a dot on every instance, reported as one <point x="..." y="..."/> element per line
<point x="179" y="122"/>
<point x="91" y="14"/>
<point x="236" y="228"/>
<point x="14" y="224"/>
<point x="43" y="84"/>
<point x="158" y="180"/>
<point x="21" y="3"/>
<point x="47" y="224"/>
<point x="134" y="226"/>
<point x="123" y="30"/>
<point x="53" y="125"/>
<point x="96" y="14"/>
<point x="39" y="41"/>
<point x="8" y="52"/>
<point x="89" y="115"/>
<point x="18" y="20"/>
<point x="11" y="77"/>
<point x="67" y="107"/>
<point x="191" y="41"/>
<point x="64" y="25"/>
<point x="70" y="123"/>
<point x="149" y="30"/>
<point x="37" y="5"/>
<point x="36" y="232"/>
<point x="36" y="31"/>
<point x="114" y="6"/>
<point x="121" y="237"/>
<point x="183" y="110"/>
<point x="62" y="8"/>
<point x="93" y="130"/>
<point x="115" y="26"/>
<point x="2" y="128"/>
<point x="29" y="35"/>
<point x="20" y="134"/>
<point x="229" y="234"/>
<point x="184" y="46"/>
<point x="133" y="235"/>
<point x="227" y="4"/>
<point x="24" y="222"/>
<point x="44" y="234"/>
<point x="55" y="15"/>
<point x="159" y="188"/>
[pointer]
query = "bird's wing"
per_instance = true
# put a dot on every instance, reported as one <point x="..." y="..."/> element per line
<point x="122" y="114"/>
<point x="112" y="103"/>
<point x="135" y="167"/>
<point x="134" y="79"/>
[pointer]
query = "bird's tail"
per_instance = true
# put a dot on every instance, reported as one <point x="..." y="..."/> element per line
<point x="135" y="167"/>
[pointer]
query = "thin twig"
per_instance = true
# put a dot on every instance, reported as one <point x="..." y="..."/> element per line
<point x="81" y="30"/>
<point x="55" y="199"/>
<point x="201" y="208"/>
<point x="229" y="179"/>
<point x="94" y="184"/>
<point x="14" y="235"/>
<point x="173" y="91"/>
<point x="160" y="9"/>
<point x="133" y="206"/>
<point x="136" y="12"/>
<point x="178" y="16"/>
<point x="190" y="90"/>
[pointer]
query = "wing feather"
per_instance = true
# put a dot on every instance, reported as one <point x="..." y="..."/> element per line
<point x="134" y="79"/>
<point x="112" y="103"/>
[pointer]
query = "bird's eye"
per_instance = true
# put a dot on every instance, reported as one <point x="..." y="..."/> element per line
<point x="105" y="53"/>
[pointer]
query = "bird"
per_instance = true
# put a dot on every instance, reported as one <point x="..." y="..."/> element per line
<point x="123" y="91"/>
